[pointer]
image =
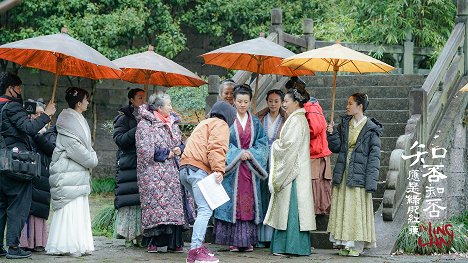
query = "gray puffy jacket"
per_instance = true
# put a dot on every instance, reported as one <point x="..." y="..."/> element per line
<point x="364" y="165"/>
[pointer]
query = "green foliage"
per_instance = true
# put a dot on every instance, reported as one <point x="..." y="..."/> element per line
<point x="386" y="22"/>
<point x="103" y="223"/>
<point x="114" y="27"/>
<point x="189" y="102"/>
<point x="101" y="186"/>
<point x="247" y="18"/>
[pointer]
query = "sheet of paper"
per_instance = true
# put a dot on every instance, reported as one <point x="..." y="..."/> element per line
<point x="214" y="193"/>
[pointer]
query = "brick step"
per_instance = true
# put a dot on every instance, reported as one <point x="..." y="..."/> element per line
<point x="373" y="92"/>
<point x="326" y="80"/>
<point x="374" y="104"/>
<point x="383" y="116"/>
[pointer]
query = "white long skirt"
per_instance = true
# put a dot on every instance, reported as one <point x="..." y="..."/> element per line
<point x="70" y="230"/>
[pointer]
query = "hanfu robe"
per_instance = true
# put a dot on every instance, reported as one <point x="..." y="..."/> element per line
<point x="240" y="215"/>
<point x="291" y="209"/>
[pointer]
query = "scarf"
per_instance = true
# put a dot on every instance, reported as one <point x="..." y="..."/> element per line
<point x="166" y="120"/>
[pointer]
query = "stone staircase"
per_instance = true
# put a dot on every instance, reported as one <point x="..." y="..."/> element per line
<point x="389" y="104"/>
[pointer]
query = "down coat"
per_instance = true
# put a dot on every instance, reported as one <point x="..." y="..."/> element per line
<point x="364" y="165"/>
<point x="72" y="158"/>
<point x="126" y="189"/>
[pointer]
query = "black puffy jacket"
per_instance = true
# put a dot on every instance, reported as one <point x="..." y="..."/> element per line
<point x="16" y="125"/>
<point x="126" y="190"/>
<point x="45" y="144"/>
<point x="364" y="165"/>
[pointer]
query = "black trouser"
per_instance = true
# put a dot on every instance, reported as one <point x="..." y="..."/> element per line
<point x="15" y="202"/>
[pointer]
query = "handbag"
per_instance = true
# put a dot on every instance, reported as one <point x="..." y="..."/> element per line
<point x="21" y="166"/>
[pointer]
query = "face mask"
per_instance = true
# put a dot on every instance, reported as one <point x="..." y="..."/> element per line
<point x="18" y="95"/>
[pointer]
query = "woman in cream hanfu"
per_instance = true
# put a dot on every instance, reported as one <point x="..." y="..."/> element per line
<point x="291" y="208"/>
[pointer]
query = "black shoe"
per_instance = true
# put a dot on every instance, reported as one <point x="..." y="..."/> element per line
<point x="16" y="252"/>
<point x="3" y="252"/>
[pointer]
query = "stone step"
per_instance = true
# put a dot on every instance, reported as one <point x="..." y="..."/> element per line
<point x="374" y="104"/>
<point x="373" y="92"/>
<point x="383" y="116"/>
<point x="326" y="80"/>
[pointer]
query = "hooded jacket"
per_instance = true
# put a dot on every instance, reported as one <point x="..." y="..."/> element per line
<point x="126" y="189"/>
<point x="72" y="158"/>
<point x="207" y="145"/>
<point x="364" y="163"/>
<point x="318" y="130"/>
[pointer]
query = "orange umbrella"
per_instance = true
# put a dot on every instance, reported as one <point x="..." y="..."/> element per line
<point x="62" y="55"/>
<point x="336" y="58"/>
<point x="150" y="68"/>
<point x="257" y="55"/>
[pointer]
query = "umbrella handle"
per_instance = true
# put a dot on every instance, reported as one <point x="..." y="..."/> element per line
<point x="332" y="113"/>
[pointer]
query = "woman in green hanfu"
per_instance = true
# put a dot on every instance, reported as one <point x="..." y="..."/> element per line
<point x="291" y="209"/>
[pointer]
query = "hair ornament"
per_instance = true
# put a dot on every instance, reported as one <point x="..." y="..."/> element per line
<point x="298" y="96"/>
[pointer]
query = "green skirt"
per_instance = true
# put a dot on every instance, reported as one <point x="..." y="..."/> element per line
<point x="292" y="240"/>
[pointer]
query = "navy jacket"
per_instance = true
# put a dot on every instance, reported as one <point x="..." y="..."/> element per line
<point x="364" y="165"/>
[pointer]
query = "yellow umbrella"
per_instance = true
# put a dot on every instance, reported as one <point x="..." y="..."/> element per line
<point x="336" y="58"/>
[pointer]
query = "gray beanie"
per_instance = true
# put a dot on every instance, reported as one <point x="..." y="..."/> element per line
<point x="224" y="110"/>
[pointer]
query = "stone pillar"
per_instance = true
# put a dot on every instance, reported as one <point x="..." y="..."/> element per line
<point x="277" y="24"/>
<point x="308" y="31"/>
<point x="213" y="92"/>
<point x="462" y="17"/>
<point x="408" y="56"/>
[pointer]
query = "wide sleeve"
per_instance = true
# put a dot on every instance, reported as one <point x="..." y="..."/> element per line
<point x="19" y="118"/>
<point x="284" y="152"/>
<point x="373" y="163"/>
<point x="234" y="153"/>
<point x="218" y="141"/>
<point x="334" y="139"/>
<point x="79" y="153"/>
<point x="144" y="142"/>
<point x="259" y="152"/>
<point x="123" y="135"/>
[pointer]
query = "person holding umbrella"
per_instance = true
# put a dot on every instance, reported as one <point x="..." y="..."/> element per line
<point x="15" y="195"/>
<point x="236" y="220"/>
<point x="127" y="198"/>
<point x="357" y="141"/>
<point x="34" y="234"/>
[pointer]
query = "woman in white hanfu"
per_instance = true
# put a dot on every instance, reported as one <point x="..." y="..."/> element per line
<point x="73" y="157"/>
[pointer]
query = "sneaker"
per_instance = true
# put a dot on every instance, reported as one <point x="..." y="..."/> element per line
<point x="249" y="249"/>
<point x="3" y="252"/>
<point x="343" y="252"/>
<point x="16" y="252"/>
<point x="353" y="253"/>
<point x="207" y="251"/>
<point x="152" y="249"/>
<point x="177" y="250"/>
<point x="200" y="255"/>
<point x="233" y="249"/>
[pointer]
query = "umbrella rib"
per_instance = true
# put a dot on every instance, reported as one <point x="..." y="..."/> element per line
<point x="352" y="62"/>
<point x="214" y="57"/>
<point x="30" y="58"/>
<point x="379" y="67"/>
<point x="328" y="62"/>
<point x="235" y="61"/>
<point x="302" y="64"/>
